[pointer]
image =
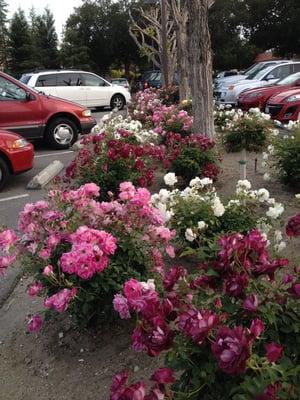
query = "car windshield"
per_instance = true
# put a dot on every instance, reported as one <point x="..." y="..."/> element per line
<point x="248" y="70"/>
<point x="258" y="72"/>
<point x="289" y="79"/>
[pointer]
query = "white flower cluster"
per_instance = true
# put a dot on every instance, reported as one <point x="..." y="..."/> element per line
<point x="119" y="122"/>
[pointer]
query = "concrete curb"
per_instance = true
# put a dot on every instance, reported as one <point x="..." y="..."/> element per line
<point x="46" y="175"/>
<point x="9" y="282"/>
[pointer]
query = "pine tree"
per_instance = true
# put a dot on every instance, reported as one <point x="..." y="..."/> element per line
<point x="45" y="40"/>
<point x="21" y="57"/>
<point x="3" y="34"/>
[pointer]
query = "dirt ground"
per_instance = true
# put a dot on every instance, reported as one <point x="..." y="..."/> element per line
<point x="61" y="362"/>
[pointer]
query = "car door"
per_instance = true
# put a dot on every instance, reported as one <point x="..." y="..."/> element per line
<point x="46" y="84"/>
<point x="69" y="87"/>
<point x="98" y="93"/>
<point x="20" y="111"/>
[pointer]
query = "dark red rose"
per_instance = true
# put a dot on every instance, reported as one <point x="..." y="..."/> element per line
<point x="250" y="303"/>
<point x="293" y="226"/>
<point x="232" y="349"/>
<point x="274" y="351"/>
<point x="163" y="375"/>
<point x="197" y="324"/>
<point x="257" y="327"/>
<point x="295" y="290"/>
<point x="236" y="284"/>
<point x="173" y="277"/>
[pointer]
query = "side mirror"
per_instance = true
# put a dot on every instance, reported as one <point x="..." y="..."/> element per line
<point x="29" y="96"/>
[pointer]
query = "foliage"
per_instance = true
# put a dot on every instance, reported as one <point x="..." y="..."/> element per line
<point x="80" y="251"/>
<point x="229" y="329"/>
<point x="111" y="158"/>
<point x="3" y="33"/>
<point x="250" y="131"/>
<point x="284" y="157"/>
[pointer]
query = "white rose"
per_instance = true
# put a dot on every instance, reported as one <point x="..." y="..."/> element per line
<point x="280" y="246"/>
<point x="277" y="236"/>
<point x="202" y="225"/>
<point x="206" y="181"/>
<point x="196" y="182"/>
<point x="190" y="235"/>
<point x="244" y="184"/>
<point x="265" y="156"/>
<point x="164" y="195"/>
<point x="170" y="179"/>
<point x="263" y="195"/>
<point x="267" y="177"/>
<point x="276" y="211"/>
<point x="218" y="207"/>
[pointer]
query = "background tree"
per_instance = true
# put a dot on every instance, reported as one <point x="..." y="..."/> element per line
<point x="200" y="59"/>
<point x="20" y="46"/>
<point x="3" y="34"/>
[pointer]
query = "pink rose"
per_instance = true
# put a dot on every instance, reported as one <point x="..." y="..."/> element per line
<point x="250" y="303"/>
<point x="163" y="375"/>
<point x="35" y="323"/>
<point x="121" y="306"/>
<point x="257" y="327"/>
<point x="48" y="270"/>
<point x="35" y="289"/>
<point x="60" y="301"/>
<point x="293" y="226"/>
<point x="8" y="238"/>
<point x="197" y="324"/>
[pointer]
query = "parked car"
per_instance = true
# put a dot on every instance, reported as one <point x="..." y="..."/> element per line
<point x="225" y="74"/>
<point x="35" y="115"/>
<point x="228" y="94"/>
<point x="258" y="97"/>
<point x="16" y="155"/>
<point x="151" y="79"/>
<point x="285" y="106"/>
<point x="85" y="88"/>
<point x="250" y="73"/>
<point x="121" y="82"/>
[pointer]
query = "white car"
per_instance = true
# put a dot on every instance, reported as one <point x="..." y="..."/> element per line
<point x="85" y="88"/>
<point x="228" y="94"/>
<point x="250" y="72"/>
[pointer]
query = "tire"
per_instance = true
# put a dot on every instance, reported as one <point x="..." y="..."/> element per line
<point x="118" y="101"/>
<point x="58" y="139"/>
<point x="4" y="173"/>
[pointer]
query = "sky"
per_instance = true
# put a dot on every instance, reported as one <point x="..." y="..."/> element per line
<point x="61" y="9"/>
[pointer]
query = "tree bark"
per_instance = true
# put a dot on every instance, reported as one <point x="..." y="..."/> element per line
<point x="200" y="64"/>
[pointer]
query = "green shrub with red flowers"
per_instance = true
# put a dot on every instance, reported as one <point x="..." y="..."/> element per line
<point x="230" y="329"/>
<point x="109" y="159"/>
<point x="80" y="250"/>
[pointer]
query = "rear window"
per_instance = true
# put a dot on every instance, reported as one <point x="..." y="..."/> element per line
<point x="25" y="78"/>
<point x="46" y="80"/>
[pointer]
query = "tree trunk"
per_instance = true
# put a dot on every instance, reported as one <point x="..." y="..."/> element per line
<point x="200" y="60"/>
<point x="127" y="69"/>
<point x="183" y="64"/>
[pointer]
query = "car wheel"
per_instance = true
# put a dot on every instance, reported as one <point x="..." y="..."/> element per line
<point x="117" y="101"/>
<point x="4" y="173"/>
<point x="61" y="133"/>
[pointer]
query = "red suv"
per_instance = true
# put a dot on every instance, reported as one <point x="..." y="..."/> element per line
<point x="34" y="115"/>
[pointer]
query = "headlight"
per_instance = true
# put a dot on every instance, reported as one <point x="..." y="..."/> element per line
<point x="293" y="98"/>
<point x="19" y="144"/>
<point x="86" y="113"/>
<point x="253" y="95"/>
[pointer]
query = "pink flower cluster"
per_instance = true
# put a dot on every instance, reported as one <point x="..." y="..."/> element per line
<point x="293" y="226"/>
<point x="89" y="253"/>
<point x="8" y="253"/>
<point x="61" y="300"/>
<point x="143" y="105"/>
<point x="120" y="390"/>
<point x="170" y="119"/>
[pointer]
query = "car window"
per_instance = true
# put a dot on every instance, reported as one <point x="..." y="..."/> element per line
<point x="289" y="79"/>
<point x="258" y="71"/>
<point x="296" y="67"/>
<point x="46" y="80"/>
<point x="69" y="79"/>
<point x="279" y="72"/>
<point x="10" y="91"/>
<point x="92" y="80"/>
<point x="25" y="78"/>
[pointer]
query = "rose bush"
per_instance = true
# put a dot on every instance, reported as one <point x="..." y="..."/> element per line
<point x="80" y="251"/>
<point x="229" y="328"/>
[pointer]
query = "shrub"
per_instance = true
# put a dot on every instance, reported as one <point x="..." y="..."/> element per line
<point x="169" y="95"/>
<point x="109" y="159"/>
<point x="80" y="251"/>
<point x="229" y="330"/>
<point x="192" y="156"/>
<point x="250" y="131"/>
<point x="170" y="119"/>
<point x="143" y="105"/>
<point x="285" y="157"/>
<point x="200" y="217"/>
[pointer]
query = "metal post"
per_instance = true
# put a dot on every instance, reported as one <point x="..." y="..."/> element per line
<point x="164" y="39"/>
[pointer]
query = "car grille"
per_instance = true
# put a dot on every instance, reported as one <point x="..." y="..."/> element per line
<point x="274" y="110"/>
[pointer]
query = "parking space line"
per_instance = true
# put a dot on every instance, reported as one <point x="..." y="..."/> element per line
<point x="54" y="154"/>
<point x="20" y="196"/>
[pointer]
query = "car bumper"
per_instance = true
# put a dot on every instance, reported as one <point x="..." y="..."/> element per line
<point x="86" y="126"/>
<point x="21" y="159"/>
<point x="224" y="97"/>
<point x="246" y="105"/>
<point x="283" y="112"/>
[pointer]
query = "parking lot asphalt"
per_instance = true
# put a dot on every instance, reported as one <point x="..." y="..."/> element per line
<point x="15" y="195"/>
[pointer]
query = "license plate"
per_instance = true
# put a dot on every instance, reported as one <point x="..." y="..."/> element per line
<point x="267" y="110"/>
